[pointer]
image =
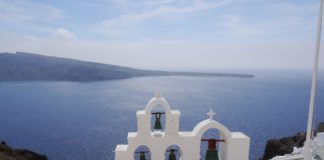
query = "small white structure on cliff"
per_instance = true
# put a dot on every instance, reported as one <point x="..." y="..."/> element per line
<point x="235" y="145"/>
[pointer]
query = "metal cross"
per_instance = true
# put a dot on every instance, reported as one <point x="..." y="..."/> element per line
<point x="211" y="114"/>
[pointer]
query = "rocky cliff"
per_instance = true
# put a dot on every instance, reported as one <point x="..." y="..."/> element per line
<point x="8" y="153"/>
<point x="283" y="146"/>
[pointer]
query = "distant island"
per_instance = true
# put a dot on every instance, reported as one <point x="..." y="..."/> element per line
<point x="22" y="66"/>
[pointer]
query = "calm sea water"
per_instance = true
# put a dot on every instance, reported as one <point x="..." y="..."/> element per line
<point x="85" y="121"/>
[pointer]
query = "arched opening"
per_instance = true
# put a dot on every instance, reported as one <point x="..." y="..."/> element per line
<point x="142" y="153"/>
<point x="158" y="118"/>
<point x="210" y="145"/>
<point x="173" y="152"/>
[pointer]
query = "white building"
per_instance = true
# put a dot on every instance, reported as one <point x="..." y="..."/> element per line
<point x="235" y="146"/>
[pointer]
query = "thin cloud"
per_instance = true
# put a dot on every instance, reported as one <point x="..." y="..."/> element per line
<point x="64" y="33"/>
<point x="216" y="34"/>
<point x="276" y="21"/>
<point x="290" y="8"/>
<point x="163" y="10"/>
<point x="14" y="11"/>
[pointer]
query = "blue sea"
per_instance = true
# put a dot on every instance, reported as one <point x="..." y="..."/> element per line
<point x="85" y="121"/>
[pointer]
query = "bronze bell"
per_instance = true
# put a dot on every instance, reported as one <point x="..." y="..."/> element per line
<point x="211" y="155"/>
<point x="172" y="155"/>
<point x="142" y="156"/>
<point x="157" y="124"/>
<point x="212" y="150"/>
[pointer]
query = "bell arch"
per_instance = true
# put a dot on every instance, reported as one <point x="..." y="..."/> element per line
<point x="142" y="152"/>
<point x="156" y="101"/>
<point x="224" y="134"/>
<point x="161" y="117"/>
<point x="205" y="125"/>
<point x="173" y="152"/>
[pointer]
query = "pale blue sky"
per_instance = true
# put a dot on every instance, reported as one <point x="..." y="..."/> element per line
<point x="165" y="34"/>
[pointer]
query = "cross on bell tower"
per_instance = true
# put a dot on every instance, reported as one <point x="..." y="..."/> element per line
<point x="211" y="114"/>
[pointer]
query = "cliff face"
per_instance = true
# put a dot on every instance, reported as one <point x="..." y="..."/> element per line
<point x="276" y="147"/>
<point x="8" y="153"/>
<point x="320" y="127"/>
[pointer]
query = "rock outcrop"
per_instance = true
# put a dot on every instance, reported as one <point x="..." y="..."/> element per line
<point x="8" y="153"/>
<point x="320" y="127"/>
<point x="283" y="146"/>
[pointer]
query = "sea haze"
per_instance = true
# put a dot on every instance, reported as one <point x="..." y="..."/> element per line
<point x="85" y="121"/>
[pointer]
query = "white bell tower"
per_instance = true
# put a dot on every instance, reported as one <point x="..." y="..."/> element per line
<point x="235" y="146"/>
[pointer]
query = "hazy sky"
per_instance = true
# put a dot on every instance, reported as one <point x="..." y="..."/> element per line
<point x="165" y="34"/>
